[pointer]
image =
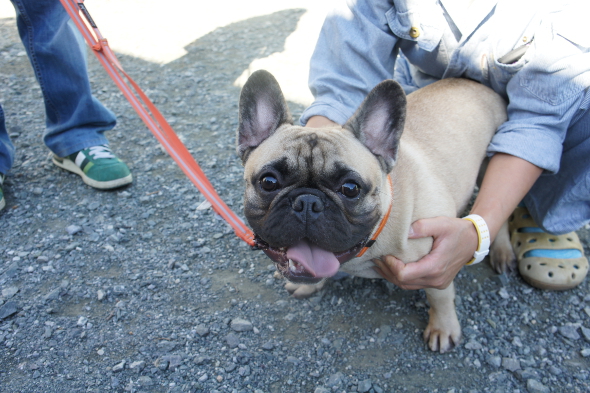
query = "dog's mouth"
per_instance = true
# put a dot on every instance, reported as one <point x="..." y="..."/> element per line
<point x="305" y="262"/>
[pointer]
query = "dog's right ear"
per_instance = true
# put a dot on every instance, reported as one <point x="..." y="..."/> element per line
<point x="379" y="122"/>
<point x="263" y="109"/>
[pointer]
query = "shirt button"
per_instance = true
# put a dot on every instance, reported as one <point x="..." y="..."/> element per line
<point x="414" y="32"/>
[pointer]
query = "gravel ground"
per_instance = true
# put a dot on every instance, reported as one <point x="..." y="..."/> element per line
<point x="144" y="289"/>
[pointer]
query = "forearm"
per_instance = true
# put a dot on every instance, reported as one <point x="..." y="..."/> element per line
<point x="507" y="180"/>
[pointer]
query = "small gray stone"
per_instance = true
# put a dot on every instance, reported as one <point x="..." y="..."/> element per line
<point x="203" y="378"/>
<point x="82" y="321"/>
<point x="517" y="342"/>
<point x="586" y="333"/>
<point x="495" y="361"/>
<point x="268" y="346"/>
<point x="232" y="340"/>
<point x="585" y="352"/>
<point x="527" y="373"/>
<point x="9" y="292"/>
<point x="510" y="364"/>
<point x="321" y="389"/>
<point x="503" y="293"/>
<point x="364" y="386"/>
<point x="174" y="361"/>
<point x="161" y="364"/>
<point x="473" y="345"/>
<point x="119" y="290"/>
<point x="119" y="367"/>
<point x="534" y="386"/>
<point x="384" y="331"/>
<point x="199" y="360"/>
<point x="48" y="332"/>
<point x="137" y="365"/>
<point x="144" y="380"/>
<point x="202" y="330"/>
<point x="244" y="371"/>
<point x="555" y="370"/>
<point x="166" y="346"/>
<point x="42" y="259"/>
<point x="569" y="332"/>
<point x="241" y="325"/>
<point x="335" y="379"/>
<point x="73" y="229"/>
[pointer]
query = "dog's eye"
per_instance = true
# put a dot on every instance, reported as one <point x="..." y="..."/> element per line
<point x="350" y="190"/>
<point x="269" y="183"/>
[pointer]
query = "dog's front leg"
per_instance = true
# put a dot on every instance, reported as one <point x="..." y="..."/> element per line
<point x="443" y="331"/>
<point x="301" y="291"/>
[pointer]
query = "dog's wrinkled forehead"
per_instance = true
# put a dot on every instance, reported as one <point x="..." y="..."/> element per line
<point x="312" y="151"/>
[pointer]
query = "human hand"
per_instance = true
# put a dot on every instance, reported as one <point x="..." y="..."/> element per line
<point x="455" y="241"/>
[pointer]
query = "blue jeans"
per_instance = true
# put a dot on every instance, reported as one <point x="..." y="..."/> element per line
<point x="75" y="119"/>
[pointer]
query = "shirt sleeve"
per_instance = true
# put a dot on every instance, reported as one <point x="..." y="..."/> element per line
<point x="545" y="96"/>
<point x="355" y="51"/>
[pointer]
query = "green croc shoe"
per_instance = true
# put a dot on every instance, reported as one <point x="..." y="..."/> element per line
<point x="98" y="167"/>
<point x="2" y="200"/>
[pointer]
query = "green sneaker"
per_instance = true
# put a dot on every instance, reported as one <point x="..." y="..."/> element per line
<point x="2" y="200"/>
<point x="98" y="167"/>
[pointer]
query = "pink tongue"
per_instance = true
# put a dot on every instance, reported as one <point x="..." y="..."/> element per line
<point x="317" y="261"/>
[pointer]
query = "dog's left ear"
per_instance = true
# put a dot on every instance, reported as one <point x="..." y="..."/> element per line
<point x="262" y="110"/>
<point x="379" y="121"/>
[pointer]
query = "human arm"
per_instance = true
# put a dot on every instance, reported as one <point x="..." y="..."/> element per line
<point x="506" y="182"/>
<point x="544" y="99"/>
<point x="355" y="51"/>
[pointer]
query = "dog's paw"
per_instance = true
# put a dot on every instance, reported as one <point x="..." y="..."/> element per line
<point x="302" y="291"/>
<point x="442" y="334"/>
<point x="502" y="259"/>
<point x="502" y="256"/>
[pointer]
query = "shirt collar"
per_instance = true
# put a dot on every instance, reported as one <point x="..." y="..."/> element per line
<point x="468" y="14"/>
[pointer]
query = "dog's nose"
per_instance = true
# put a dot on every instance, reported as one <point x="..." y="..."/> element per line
<point x="308" y="206"/>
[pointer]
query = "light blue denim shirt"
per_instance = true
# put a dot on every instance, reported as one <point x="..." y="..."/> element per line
<point x="359" y="44"/>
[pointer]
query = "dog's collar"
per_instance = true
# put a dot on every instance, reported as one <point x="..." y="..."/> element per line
<point x="381" y="224"/>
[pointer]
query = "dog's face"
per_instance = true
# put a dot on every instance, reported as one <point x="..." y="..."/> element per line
<point x="314" y="196"/>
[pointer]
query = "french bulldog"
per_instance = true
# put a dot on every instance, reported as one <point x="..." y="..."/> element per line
<point x="315" y="197"/>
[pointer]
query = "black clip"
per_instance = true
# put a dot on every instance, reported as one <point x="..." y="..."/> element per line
<point x="370" y="243"/>
<point x="87" y="14"/>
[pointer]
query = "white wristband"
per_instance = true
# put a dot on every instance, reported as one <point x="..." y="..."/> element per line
<point x="483" y="238"/>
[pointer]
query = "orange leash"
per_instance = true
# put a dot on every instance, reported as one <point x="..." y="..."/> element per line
<point x="152" y="117"/>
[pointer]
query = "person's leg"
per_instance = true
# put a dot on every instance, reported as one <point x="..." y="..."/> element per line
<point x="549" y="252"/>
<point x="6" y="155"/>
<point x="75" y="119"/>
<point x="6" y="147"/>
<point x="560" y="203"/>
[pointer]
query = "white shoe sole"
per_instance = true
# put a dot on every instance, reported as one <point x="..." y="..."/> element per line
<point x="68" y="165"/>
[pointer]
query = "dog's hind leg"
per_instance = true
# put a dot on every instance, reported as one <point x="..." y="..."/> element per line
<point x="502" y="256"/>
<point x="443" y="331"/>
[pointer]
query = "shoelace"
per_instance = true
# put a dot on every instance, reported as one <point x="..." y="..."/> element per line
<point x="101" y="151"/>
